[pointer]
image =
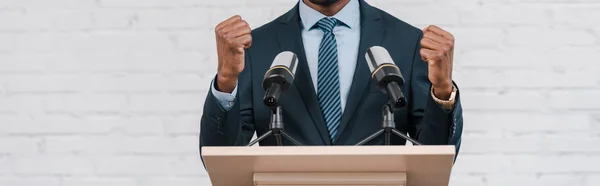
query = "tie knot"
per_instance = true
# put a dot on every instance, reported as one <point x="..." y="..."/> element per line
<point x="327" y="24"/>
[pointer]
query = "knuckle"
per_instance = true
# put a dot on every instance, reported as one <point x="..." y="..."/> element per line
<point x="446" y="48"/>
<point x="440" y="54"/>
<point x="229" y="41"/>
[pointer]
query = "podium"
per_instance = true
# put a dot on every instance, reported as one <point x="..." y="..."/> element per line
<point x="329" y="165"/>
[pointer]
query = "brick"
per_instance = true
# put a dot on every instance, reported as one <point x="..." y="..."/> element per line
<point x="561" y="179"/>
<point x="86" y="103"/>
<point x="572" y="57"/>
<point x="470" y="39"/>
<point x="61" y="125"/>
<point x="119" y="83"/>
<point x="43" y="83"/>
<point x="471" y="180"/>
<point x="529" y="179"/>
<point x="133" y="165"/>
<point x="6" y="166"/>
<point x="29" y="181"/>
<point x="36" y="42"/>
<point x="440" y="15"/>
<point x="482" y="144"/>
<point x="576" y="16"/>
<point x="159" y="181"/>
<point x="547" y="38"/>
<point x="190" y="82"/>
<point x="522" y="78"/>
<point x="142" y="126"/>
<point x="162" y="145"/>
<point x="53" y="165"/>
<point x="19" y="145"/>
<point x="21" y="103"/>
<point x="148" y="4"/>
<point x="139" y="41"/>
<point x="555" y="164"/>
<point x="172" y="18"/>
<point x="189" y="165"/>
<point x="591" y="180"/>
<point x="113" y="18"/>
<point x="153" y="103"/>
<point x="527" y="122"/>
<point x="576" y="143"/>
<point x="177" y="62"/>
<point x="184" y="125"/>
<point x="492" y="58"/>
<point x="61" y="145"/>
<point x="97" y="181"/>
<point x="513" y="15"/>
<point x="201" y="40"/>
<point x="34" y="63"/>
<point x="504" y="100"/>
<point x="574" y="99"/>
<point x="488" y="163"/>
<point x="42" y="4"/>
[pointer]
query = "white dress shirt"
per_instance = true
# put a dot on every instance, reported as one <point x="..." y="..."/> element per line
<point x="347" y="36"/>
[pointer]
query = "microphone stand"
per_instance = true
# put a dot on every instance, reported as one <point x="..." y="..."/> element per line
<point x="276" y="129"/>
<point x="388" y="127"/>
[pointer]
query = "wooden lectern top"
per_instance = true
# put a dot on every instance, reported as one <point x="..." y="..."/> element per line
<point x="244" y="166"/>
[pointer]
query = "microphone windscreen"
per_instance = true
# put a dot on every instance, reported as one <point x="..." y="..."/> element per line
<point x="287" y="59"/>
<point x="377" y="56"/>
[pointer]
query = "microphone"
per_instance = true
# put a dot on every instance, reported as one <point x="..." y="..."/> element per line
<point x="279" y="77"/>
<point x="387" y="75"/>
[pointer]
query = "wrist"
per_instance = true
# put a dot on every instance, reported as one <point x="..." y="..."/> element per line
<point x="442" y="91"/>
<point x="226" y="83"/>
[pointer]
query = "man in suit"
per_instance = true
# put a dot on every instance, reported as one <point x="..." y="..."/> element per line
<point x="333" y="100"/>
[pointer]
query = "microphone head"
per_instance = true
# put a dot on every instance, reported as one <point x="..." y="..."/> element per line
<point x="286" y="59"/>
<point x="377" y="56"/>
<point x="279" y="77"/>
<point x="282" y="70"/>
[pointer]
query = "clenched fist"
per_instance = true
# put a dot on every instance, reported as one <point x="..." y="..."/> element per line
<point x="437" y="49"/>
<point x="233" y="36"/>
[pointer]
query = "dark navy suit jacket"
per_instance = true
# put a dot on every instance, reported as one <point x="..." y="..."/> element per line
<point x="422" y="118"/>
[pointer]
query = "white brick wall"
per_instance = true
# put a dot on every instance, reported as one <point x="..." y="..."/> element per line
<point x="110" y="92"/>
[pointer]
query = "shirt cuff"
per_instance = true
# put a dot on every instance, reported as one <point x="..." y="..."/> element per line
<point x="226" y="100"/>
<point x="446" y="104"/>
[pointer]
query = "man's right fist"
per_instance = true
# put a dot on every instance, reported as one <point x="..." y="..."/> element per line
<point x="233" y="36"/>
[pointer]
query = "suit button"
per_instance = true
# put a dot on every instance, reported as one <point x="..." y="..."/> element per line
<point x="219" y="119"/>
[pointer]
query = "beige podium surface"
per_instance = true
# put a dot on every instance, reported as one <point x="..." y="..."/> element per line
<point x="329" y="165"/>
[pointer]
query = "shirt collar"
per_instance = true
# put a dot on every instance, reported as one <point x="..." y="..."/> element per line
<point x="349" y="15"/>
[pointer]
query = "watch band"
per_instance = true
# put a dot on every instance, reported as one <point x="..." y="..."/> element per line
<point x="446" y="104"/>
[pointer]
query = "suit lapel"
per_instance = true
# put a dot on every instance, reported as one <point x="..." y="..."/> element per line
<point x="372" y="31"/>
<point x="290" y="39"/>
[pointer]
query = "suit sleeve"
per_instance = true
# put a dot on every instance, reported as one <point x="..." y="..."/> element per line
<point x="430" y="123"/>
<point x="230" y="126"/>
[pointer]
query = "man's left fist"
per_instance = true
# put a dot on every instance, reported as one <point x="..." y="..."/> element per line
<point x="437" y="49"/>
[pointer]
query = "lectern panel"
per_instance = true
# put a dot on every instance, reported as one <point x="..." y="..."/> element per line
<point x="422" y="165"/>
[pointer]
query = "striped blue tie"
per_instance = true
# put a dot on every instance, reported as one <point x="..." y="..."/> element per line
<point x="328" y="83"/>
